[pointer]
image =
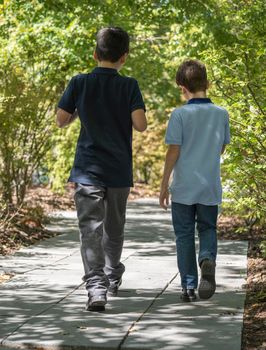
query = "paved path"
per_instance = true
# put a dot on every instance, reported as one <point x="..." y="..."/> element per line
<point x="42" y="307"/>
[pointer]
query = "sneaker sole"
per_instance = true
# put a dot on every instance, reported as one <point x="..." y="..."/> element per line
<point x="113" y="292"/>
<point x="207" y="284"/>
<point x="96" y="306"/>
<point x="185" y="299"/>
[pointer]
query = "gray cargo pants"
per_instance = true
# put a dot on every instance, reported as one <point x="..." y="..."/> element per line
<point x="101" y="215"/>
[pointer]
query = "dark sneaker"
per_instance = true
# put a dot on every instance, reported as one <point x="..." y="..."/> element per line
<point x="191" y="294"/>
<point x="96" y="303"/>
<point x="113" y="288"/>
<point x="184" y="296"/>
<point x="188" y="295"/>
<point x="207" y="284"/>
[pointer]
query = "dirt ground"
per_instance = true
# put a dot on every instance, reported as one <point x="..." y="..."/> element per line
<point x="28" y="227"/>
<point x="254" y="329"/>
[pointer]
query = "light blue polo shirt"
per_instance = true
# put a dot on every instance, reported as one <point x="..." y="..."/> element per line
<point x="201" y="129"/>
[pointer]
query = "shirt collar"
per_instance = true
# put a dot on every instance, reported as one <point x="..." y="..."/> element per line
<point x="104" y="70"/>
<point x="199" y="100"/>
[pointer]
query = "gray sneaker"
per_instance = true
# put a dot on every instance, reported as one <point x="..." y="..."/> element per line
<point x="96" y="303"/>
<point x="113" y="288"/>
<point x="207" y="284"/>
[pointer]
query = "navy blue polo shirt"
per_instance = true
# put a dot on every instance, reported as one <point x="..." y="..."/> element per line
<point x="104" y="100"/>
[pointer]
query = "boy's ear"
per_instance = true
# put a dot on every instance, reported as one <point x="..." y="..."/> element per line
<point x="183" y="89"/>
<point x="95" y="57"/>
<point x="208" y="84"/>
<point x="123" y="58"/>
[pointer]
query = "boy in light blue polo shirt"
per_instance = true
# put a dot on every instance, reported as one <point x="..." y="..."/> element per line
<point x="196" y="134"/>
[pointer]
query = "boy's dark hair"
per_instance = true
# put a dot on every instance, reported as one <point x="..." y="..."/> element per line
<point x="112" y="43"/>
<point x="192" y="75"/>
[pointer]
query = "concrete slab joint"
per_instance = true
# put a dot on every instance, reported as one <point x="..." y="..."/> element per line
<point x="42" y="307"/>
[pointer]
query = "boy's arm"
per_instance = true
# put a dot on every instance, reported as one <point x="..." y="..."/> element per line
<point x="139" y="120"/>
<point x="64" y="118"/>
<point x="226" y="134"/>
<point x="223" y="149"/>
<point x="172" y="156"/>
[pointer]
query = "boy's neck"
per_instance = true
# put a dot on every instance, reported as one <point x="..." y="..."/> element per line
<point x="198" y="94"/>
<point x="107" y="64"/>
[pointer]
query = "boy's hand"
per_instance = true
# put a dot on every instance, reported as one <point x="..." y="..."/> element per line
<point x="172" y="156"/>
<point x="164" y="198"/>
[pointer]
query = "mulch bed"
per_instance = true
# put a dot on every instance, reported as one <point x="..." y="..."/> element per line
<point x="27" y="227"/>
<point x="254" y="334"/>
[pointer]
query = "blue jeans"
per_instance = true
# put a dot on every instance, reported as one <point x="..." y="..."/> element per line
<point x="184" y="219"/>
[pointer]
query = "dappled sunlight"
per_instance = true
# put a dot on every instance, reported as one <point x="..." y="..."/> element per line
<point x="197" y="325"/>
<point x="44" y="303"/>
<point x="66" y="321"/>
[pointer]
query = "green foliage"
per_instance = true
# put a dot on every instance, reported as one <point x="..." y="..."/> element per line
<point x="230" y="38"/>
<point x="25" y="129"/>
<point x="27" y="102"/>
<point x="60" y="158"/>
<point x="44" y="43"/>
<point x="149" y="151"/>
<point x="238" y="84"/>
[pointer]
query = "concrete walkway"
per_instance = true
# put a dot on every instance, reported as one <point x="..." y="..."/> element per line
<point x="42" y="307"/>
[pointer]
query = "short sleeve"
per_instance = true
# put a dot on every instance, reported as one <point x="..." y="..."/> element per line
<point x="174" y="130"/>
<point x="136" y="100"/>
<point x="227" y="131"/>
<point x="67" y="101"/>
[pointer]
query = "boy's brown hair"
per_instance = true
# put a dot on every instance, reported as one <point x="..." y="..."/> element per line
<point x="192" y="75"/>
<point x="112" y="43"/>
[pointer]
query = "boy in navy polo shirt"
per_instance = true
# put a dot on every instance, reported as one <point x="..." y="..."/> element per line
<point x="108" y="105"/>
<point x="196" y="134"/>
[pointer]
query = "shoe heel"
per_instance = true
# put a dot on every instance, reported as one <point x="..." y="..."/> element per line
<point x="207" y="284"/>
<point x="208" y="269"/>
